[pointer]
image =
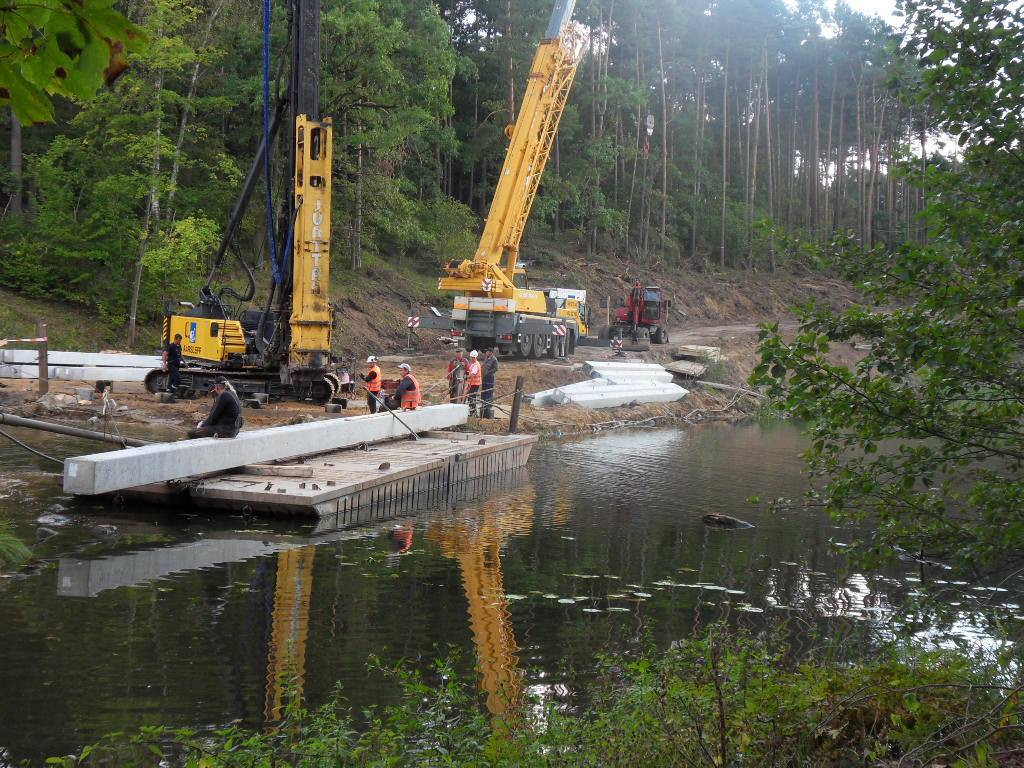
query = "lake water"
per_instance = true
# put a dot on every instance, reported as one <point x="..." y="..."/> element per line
<point x="148" y="615"/>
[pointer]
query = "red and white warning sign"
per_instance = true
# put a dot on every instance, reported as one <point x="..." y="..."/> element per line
<point x="413" y="322"/>
<point x="559" y="330"/>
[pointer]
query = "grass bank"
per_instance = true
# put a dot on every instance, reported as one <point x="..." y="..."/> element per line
<point x="717" y="700"/>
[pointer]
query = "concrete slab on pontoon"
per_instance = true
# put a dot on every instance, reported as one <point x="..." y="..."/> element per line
<point x="117" y="470"/>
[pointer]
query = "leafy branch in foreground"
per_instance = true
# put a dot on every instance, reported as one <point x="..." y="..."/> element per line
<point x="714" y="701"/>
<point x="64" y="47"/>
<point x="925" y="436"/>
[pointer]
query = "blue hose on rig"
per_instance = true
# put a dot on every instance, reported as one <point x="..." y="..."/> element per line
<point x="274" y="264"/>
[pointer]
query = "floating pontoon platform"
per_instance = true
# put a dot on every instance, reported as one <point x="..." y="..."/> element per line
<point x="340" y="483"/>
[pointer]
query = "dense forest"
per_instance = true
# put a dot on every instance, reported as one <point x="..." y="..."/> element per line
<point x="699" y="136"/>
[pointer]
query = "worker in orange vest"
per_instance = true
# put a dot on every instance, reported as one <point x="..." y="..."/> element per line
<point x="408" y="394"/>
<point x="474" y="378"/>
<point x="374" y="382"/>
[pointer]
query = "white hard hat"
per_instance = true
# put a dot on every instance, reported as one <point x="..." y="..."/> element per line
<point x="474" y="353"/>
<point x="405" y="366"/>
<point x="371" y="359"/>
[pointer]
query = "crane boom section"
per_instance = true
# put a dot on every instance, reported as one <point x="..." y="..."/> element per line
<point x="311" y="317"/>
<point x="532" y="137"/>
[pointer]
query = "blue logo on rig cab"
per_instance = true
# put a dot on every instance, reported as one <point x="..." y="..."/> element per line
<point x="192" y="333"/>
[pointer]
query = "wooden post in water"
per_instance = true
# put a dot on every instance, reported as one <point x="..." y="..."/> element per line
<point x="517" y="401"/>
<point x="44" y="365"/>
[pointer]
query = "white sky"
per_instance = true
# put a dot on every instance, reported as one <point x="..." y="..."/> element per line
<point x="884" y="8"/>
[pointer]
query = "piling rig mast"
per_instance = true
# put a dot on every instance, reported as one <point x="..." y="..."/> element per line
<point x="282" y="348"/>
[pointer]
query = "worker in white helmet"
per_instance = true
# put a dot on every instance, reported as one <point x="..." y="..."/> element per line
<point x="474" y="378"/>
<point x="373" y="383"/>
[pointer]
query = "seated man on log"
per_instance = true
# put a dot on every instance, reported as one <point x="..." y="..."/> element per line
<point x="225" y="418"/>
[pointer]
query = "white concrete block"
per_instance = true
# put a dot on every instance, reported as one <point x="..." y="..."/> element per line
<point x="72" y="373"/>
<point x="90" y="359"/>
<point x="117" y="470"/>
<point x="616" y="395"/>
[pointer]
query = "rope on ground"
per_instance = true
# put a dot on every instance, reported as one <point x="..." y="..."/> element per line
<point x="29" y="448"/>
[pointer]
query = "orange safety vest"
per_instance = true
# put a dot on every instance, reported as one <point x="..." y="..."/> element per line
<point x="374" y="385"/>
<point x="411" y="399"/>
<point x="474" y="374"/>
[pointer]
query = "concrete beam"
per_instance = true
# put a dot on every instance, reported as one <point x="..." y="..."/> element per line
<point x="91" y="359"/>
<point x="73" y="372"/>
<point x="116" y="470"/>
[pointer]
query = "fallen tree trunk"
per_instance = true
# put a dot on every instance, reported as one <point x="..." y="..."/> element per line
<point x="730" y="388"/>
<point x="63" y="429"/>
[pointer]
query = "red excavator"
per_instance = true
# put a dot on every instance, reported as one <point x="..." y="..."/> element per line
<point x="640" y="321"/>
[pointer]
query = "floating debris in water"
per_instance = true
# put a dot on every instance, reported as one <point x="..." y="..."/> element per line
<point x="668" y="583"/>
<point x="515" y="597"/>
<point x="786" y="562"/>
<point x="735" y="592"/>
<point x="644" y="595"/>
<point x="582" y="575"/>
<point x="710" y="587"/>
<point x="550" y="596"/>
<point x="616" y="597"/>
<point x="567" y="600"/>
<point x="620" y="609"/>
<point x="611" y="576"/>
<point x="749" y="608"/>
<point x="592" y="610"/>
<point x="569" y="538"/>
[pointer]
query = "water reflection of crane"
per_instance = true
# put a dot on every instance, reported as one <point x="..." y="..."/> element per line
<point x="474" y="539"/>
<point x="286" y="651"/>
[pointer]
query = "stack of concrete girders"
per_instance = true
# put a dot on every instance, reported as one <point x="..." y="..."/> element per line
<point x="77" y="366"/>
<point x="614" y="384"/>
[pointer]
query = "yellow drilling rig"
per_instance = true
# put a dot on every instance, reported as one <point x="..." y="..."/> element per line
<point x="282" y="349"/>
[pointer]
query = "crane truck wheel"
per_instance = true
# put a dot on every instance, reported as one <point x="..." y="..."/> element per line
<point x="539" y="346"/>
<point x="524" y="347"/>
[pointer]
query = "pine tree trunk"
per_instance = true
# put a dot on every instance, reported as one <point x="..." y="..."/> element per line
<point x="771" y="174"/>
<point x="747" y="215"/>
<point x="16" y="165"/>
<point x="725" y="155"/>
<point x="152" y="219"/>
<point x="829" y="177"/>
<point x="841" y="154"/>
<point x="664" y="145"/>
<point x="357" y="213"/>
<point x="860" y="168"/>
<point x="698" y="157"/>
<point x="753" y="177"/>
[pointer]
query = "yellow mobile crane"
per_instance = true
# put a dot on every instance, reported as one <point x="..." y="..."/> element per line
<point x="494" y="307"/>
<point x="283" y="348"/>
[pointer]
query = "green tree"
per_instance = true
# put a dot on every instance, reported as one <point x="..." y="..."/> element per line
<point x="924" y="438"/>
